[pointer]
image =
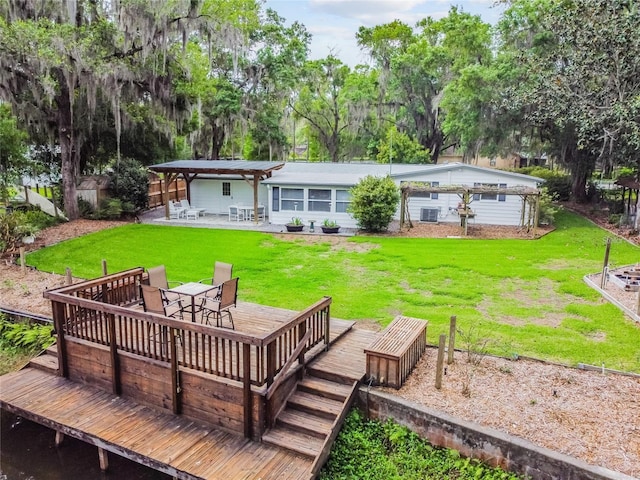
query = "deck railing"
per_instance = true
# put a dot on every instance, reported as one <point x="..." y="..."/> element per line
<point x="93" y="311"/>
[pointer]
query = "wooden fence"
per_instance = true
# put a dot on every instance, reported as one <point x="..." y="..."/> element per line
<point x="177" y="191"/>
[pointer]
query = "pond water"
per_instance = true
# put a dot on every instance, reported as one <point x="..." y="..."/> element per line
<point x="28" y="452"/>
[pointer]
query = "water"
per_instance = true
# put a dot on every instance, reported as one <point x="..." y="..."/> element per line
<point x="28" y="452"/>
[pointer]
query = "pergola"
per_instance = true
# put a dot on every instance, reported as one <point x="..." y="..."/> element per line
<point x="251" y="171"/>
<point x="528" y="195"/>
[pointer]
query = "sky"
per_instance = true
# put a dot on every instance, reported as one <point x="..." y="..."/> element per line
<point x="334" y="23"/>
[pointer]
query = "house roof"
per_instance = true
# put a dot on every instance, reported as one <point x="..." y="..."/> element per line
<point x="218" y="167"/>
<point x="349" y="174"/>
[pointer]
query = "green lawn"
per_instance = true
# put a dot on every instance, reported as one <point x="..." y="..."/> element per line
<point x="527" y="296"/>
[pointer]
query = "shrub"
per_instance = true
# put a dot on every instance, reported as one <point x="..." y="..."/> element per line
<point x="374" y="201"/>
<point x="24" y="337"/>
<point x="110" y="209"/>
<point x="130" y="184"/>
<point x="374" y="450"/>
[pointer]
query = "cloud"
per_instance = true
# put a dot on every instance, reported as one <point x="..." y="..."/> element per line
<point x="377" y="12"/>
<point x="355" y="8"/>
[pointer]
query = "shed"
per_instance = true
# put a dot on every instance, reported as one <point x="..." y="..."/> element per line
<point x="93" y="188"/>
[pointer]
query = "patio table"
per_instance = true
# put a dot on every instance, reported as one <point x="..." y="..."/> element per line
<point x="193" y="289"/>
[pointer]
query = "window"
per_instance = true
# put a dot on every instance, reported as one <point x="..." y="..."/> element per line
<point x="319" y="200"/>
<point x="226" y="189"/>
<point x="343" y="199"/>
<point x="275" y="199"/>
<point x="486" y="195"/>
<point x="424" y="194"/>
<point x="292" y="199"/>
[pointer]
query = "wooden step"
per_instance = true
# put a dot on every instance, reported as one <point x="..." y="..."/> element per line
<point x="298" y="442"/>
<point x="52" y="350"/>
<point x="324" y="388"/>
<point x="305" y="422"/>
<point x="45" y="362"/>
<point x="314" y="404"/>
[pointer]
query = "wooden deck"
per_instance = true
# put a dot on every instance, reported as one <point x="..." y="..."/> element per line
<point x="165" y="442"/>
<point x="171" y="443"/>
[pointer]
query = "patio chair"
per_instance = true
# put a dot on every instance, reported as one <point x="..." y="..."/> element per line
<point x="155" y="300"/>
<point x="221" y="273"/>
<point x="260" y="213"/>
<point x="176" y="211"/>
<point x="236" y="213"/>
<point x="189" y="207"/>
<point x="218" y="307"/>
<point x="157" y="277"/>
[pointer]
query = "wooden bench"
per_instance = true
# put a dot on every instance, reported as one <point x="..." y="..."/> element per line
<point x="392" y="356"/>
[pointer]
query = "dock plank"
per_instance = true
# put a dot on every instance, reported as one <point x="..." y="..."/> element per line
<point x="171" y="444"/>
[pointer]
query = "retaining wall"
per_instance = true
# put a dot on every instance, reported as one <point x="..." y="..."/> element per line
<point x="473" y="440"/>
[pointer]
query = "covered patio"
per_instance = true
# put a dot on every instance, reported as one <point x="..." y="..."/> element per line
<point x="252" y="172"/>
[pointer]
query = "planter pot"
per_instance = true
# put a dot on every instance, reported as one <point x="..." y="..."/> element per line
<point x="330" y="229"/>
<point x="294" y="228"/>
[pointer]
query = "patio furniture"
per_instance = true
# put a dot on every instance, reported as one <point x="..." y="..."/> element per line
<point x="155" y="300"/>
<point x="260" y="213"/>
<point x="220" y="306"/>
<point x="392" y="356"/>
<point x="176" y="211"/>
<point x="236" y="213"/>
<point x="221" y="273"/>
<point x="189" y="207"/>
<point x="192" y="214"/>
<point x="193" y="290"/>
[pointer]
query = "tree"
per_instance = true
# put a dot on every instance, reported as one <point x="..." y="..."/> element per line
<point x="319" y="102"/>
<point x="399" y="148"/>
<point x="577" y="79"/>
<point x="421" y="65"/>
<point x="13" y="149"/>
<point x="374" y="201"/>
<point x="59" y="58"/>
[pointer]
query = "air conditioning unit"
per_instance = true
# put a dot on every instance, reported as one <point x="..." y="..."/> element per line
<point x="429" y="214"/>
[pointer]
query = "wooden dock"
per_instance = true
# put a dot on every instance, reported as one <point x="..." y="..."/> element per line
<point x="170" y="443"/>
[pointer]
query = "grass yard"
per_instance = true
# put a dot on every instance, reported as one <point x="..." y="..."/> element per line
<point x="527" y="297"/>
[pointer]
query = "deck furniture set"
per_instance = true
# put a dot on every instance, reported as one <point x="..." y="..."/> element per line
<point x="184" y="210"/>
<point x="192" y="300"/>
<point x="240" y="213"/>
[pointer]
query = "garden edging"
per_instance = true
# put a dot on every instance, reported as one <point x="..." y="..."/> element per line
<point x="487" y="444"/>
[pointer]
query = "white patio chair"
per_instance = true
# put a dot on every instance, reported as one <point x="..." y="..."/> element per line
<point x="176" y="211"/>
<point x="189" y="207"/>
<point x="236" y="213"/>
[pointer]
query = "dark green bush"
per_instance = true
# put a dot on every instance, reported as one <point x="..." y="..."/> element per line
<point x="130" y="184"/>
<point x="110" y="209"/>
<point x="374" y="201"/>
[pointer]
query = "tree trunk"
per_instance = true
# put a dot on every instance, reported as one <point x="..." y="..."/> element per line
<point x="217" y="140"/>
<point x="68" y="157"/>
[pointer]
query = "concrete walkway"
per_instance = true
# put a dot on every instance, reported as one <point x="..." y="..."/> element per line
<point x="157" y="216"/>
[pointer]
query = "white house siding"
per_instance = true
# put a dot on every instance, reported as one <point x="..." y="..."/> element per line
<point x="490" y="212"/>
<point x="284" y="216"/>
<point x="207" y="193"/>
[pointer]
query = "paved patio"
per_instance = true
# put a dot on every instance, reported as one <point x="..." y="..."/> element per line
<point x="157" y="216"/>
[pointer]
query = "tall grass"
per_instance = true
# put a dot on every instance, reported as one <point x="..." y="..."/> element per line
<point x="527" y="296"/>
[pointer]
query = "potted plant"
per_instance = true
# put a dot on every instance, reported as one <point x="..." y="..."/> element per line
<point x="330" y="226"/>
<point x="295" y="225"/>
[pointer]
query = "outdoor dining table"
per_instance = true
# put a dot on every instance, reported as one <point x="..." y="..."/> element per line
<point x="193" y="289"/>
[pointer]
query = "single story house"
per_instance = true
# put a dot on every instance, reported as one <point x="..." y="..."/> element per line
<point x="318" y="191"/>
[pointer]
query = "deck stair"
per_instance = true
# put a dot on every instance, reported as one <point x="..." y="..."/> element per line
<point x="46" y="361"/>
<point x="312" y="416"/>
